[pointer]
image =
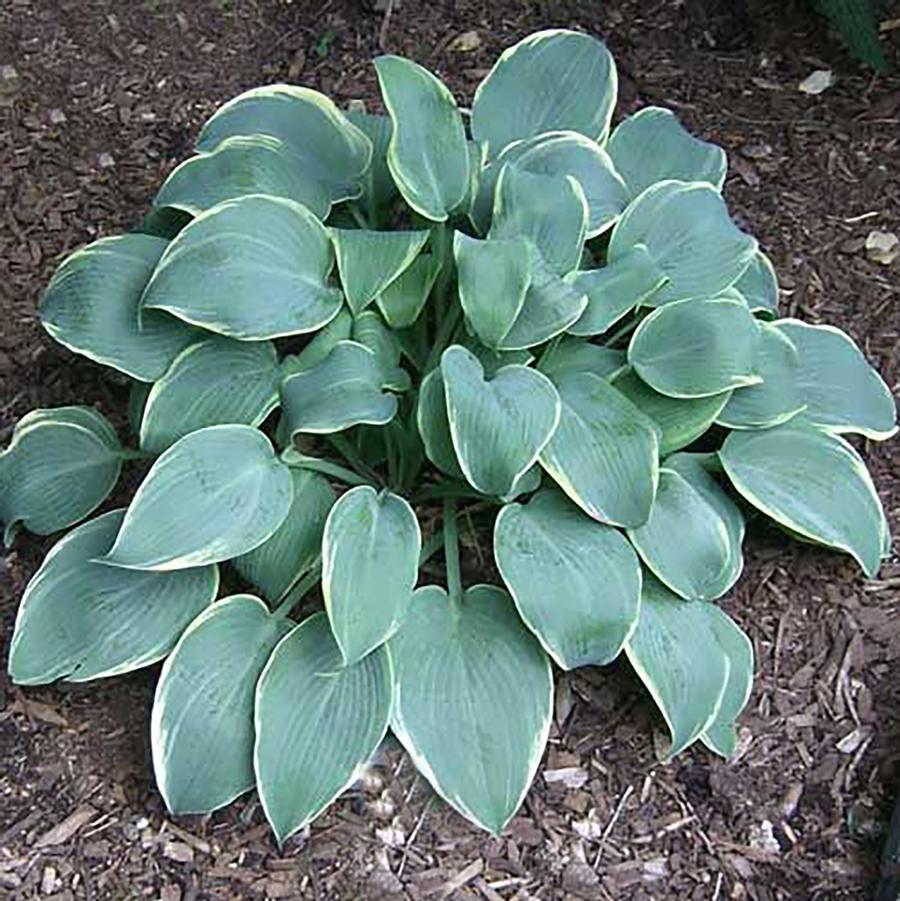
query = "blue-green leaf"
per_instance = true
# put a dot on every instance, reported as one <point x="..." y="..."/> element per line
<point x="92" y="306"/>
<point x="576" y="582"/>
<point x="214" y="494"/>
<point x="201" y="729"/>
<point x="81" y="620"/>
<point x="251" y="268"/>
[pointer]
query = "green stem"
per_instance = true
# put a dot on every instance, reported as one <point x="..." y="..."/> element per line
<point x="431" y="547"/>
<point x="626" y="329"/>
<point x="443" y="250"/>
<point x="552" y="344"/>
<point x="292" y="597"/>
<point x="128" y="454"/>
<point x="343" y="446"/>
<point x="359" y="217"/>
<point x="451" y="553"/>
<point x="448" y="489"/>
<point x="327" y="468"/>
<point x="442" y="338"/>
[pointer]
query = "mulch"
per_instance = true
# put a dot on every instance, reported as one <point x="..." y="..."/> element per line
<point x="104" y="99"/>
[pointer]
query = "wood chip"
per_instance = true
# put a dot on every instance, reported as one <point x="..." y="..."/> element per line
<point x="63" y="831"/>
<point x="463" y="877"/>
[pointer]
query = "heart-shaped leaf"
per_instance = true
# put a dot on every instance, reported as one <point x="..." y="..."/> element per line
<point x="560" y="153"/>
<point x="81" y="620"/>
<point x="370" y="560"/>
<point x="553" y="80"/>
<point x="498" y="426"/>
<point x="680" y="420"/>
<point x="214" y="494"/>
<point x="690" y="237"/>
<point x="251" y="268"/>
<point x="779" y="397"/>
<point x="652" y="145"/>
<point x="493" y="278"/>
<point x="320" y="344"/>
<point x="811" y="482"/>
<point x="308" y="753"/>
<point x="325" y="146"/>
<point x="698" y="347"/>
<point x="604" y="452"/>
<point x="842" y="392"/>
<point x="201" y="730"/>
<point x="342" y="390"/>
<point x="679" y="660"/>
<point x="550" y="211"/>
<point x="60" y="466"/>
<point x="473" y="700"/>
<point x="368" y="261"/>
<point x="214" y="382"/>
<point x="293" y="549"/>
<point x="576" y="582"/>
<point x="427" y="155"/>
<point x="92" y="306"/>
<point x="241" y="165"/>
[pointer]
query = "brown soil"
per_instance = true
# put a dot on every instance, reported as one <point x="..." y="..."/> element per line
<point x="110" y="95"/>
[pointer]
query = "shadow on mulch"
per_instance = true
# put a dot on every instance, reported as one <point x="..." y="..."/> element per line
<point x="110" y="95"/>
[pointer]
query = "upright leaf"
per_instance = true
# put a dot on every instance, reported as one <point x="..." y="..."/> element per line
<point x="427" y="155"/>
<point x="325" y="146"/>
<point x="560" y="153"/>
<point x="251" y="268"/>
<point x="473" y="698"/>
<point x="308" y="753"/>
<point x="493" y="278"/>
<point x="295" y="547"/>
<point x="553" y="80"/>
<point x="201" y="729"/>
<point x="342" y="390"/>
<point x="241" y="165"/>
<point x="379" y="190"/>
<point x="370" y="560"/>
<point x="60" y="466"/>
<point x="695" y="348"/>
<point x="403" y="299"/>
<point x="690" y="237"/>
<point x="434" y="424"/>
<point x="550" y="211"/>
<point x="368" y="261"/>
<point x="214" y="382"/>
<point x="576" y="583"/>
<point x="92" y="306"/>
<point x="812" y="482"/>
<point x="604" y="452"/>
<point x="370" y="331"/>
<point x="498" y="426"/>
<point x="214" y="494"/>
<point x="652" y="145"/>
<point x="81" y="620"/>
<point x="677" y="657"/>
<point x="842" y="392"/>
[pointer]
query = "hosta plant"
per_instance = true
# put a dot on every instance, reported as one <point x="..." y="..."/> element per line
<point x="352" y="338"/>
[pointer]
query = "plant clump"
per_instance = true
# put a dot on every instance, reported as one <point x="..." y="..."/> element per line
<point x="350" y="335"/>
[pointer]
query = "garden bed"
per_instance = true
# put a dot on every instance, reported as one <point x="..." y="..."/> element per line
<point x="105" y="99"/>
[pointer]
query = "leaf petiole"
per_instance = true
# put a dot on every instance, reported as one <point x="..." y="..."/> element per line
<point x="295" y="594"/>
<point x="451" y="553"/>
